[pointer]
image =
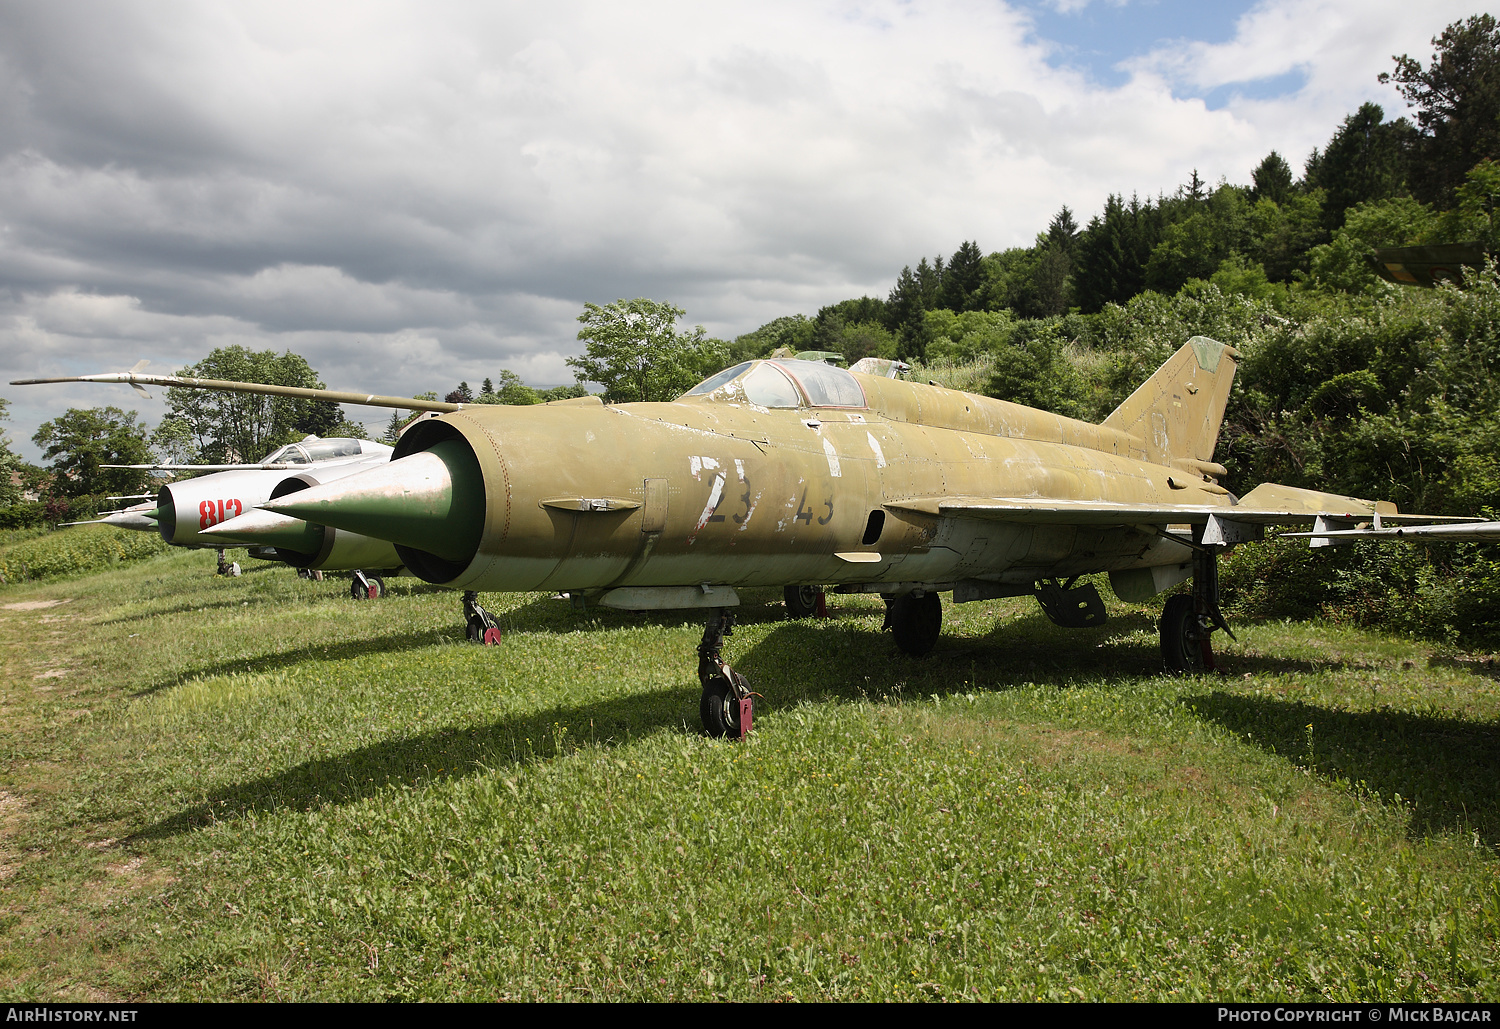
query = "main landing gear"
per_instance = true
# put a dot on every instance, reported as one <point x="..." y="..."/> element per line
<point x="915" y="619"/>
<point x="1189" y="619"/>
<point x="727" y="706"/>
<point x="805" y="602"/>
<point x="226" y="566"/>
<point x="479" y="623"/>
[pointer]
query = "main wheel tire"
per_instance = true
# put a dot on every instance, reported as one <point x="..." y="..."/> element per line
<point x="916" y="622"/>
<point x="719" y="709"/>
<point x="377" y="586"/>
<point x="801" y="601"/>
<point x="1181" y="651"/>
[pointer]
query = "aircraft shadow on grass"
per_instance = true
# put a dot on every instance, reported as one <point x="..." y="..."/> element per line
<point x="1489" y="668"/>
<point x="1024" y="649"/>
<point x="390" y="643"/>
<point x="177" y="609"/>
<point x="797" y="661"/>
<point x="1446" y="768"/>
<point x="805" y="661"/>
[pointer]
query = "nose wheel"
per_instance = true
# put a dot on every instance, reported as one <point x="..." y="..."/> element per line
<point x="727" y="706"/>
<point x="366" y="587"/>
<point x="479" y="624"/>
<point x="227" y="567"/>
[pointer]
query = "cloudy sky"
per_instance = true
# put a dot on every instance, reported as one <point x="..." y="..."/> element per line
<point x="414" y="194"/>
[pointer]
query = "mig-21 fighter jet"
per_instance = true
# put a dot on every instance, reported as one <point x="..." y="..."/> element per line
<point x="795" y="473"/>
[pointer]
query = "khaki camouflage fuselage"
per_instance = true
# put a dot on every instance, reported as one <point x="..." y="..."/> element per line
<point x="714" y="490"/>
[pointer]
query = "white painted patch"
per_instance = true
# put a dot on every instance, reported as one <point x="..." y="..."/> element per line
<point x="714" y="496"/>
<point x="833" y="459"/>
<point x="698" y="465"/>
<point x="875" y="446"/>
<point x="739" y="467"/>
<point x="750" y="513"/>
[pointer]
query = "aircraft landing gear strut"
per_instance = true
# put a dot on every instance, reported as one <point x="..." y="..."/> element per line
<point x="1188" y="620"/>
<point x="727" y="706"/>
<point x="479" y="623"/>
<point x="366" y="587"/>
<point x="227" y="567"/>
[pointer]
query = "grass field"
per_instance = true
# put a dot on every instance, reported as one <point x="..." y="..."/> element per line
<point x="259" y="789"/>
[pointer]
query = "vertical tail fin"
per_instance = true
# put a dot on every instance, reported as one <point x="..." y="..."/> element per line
<point x="1178" y="411"/>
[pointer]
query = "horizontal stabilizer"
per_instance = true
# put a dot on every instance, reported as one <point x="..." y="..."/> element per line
<point x="1463" y="532"/>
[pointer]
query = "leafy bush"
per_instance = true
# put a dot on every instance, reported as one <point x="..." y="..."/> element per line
<point x="72" y="552"/>
<point x="23" y="515"/>
<point x="1445" y="592"/>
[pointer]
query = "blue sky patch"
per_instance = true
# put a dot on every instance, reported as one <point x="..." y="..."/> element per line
<point x="1257" y="89"/>
<point x="1097" y="37"/>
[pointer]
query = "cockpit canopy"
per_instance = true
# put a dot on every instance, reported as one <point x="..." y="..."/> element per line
<point x="782" y="383"/>
<point x="314" y="449"/>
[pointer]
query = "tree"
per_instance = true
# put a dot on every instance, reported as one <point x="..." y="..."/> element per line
<point x="963" y="279"/>
<point x="173" y="440"/>
<point x="795" y="332"/>
<point x="1194" y="188"/>
<point x="634" y="349"/>
<point x="1473" y="218"/>
<point x="1112" y="253"/>
<point x="511" y="391"/>
<point x="1062" y="231"/>
<point x="1271" y="179"/>
<point x="242" y="426"/>
<point x="1457" y="97"/>
<point x="930" y="282"/>
<point x="1281" y="234"/>
<point x="80" y="441"/>
<point x="1195" y="247"/>
<point x="393" y="428"/>
<point x="10" y="465"/>
<point x="1365" y="160"/>
<point x="905" y="315"/>
<point x="1343" y="263"/>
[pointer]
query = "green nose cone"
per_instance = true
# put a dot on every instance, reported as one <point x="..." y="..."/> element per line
<point x="264" y="529"/>
<point x="431" y="501"/>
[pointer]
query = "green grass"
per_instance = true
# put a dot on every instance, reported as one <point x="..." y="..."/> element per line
<point x="258" y="788"/>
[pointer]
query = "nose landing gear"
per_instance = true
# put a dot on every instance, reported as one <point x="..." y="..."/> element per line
<point x="366" y="587"/>
<point x="727" y="707"/>
<point x="479" y="623"/>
